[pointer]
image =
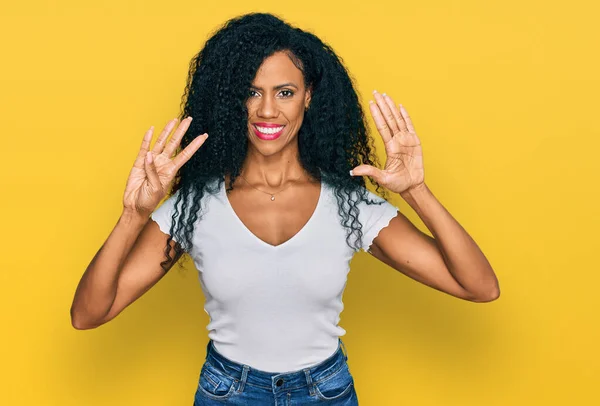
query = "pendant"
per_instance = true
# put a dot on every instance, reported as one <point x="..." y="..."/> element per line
<point x="272" y="197"/>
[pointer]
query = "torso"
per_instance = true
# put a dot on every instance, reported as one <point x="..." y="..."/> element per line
<point x="274" y="307"/>
<point x="277" y="221"/>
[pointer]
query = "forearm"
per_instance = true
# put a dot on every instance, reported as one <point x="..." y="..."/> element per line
<point x="98" y="285"/>
<point x="463" y="258"/>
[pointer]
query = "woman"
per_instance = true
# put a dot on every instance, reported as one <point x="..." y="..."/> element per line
<point x="271" y="216"/>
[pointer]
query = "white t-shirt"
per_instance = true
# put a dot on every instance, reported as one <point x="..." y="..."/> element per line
<point x="275" y="308"/>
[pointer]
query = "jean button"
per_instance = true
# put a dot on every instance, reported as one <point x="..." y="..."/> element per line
<point x="279" y="382"/>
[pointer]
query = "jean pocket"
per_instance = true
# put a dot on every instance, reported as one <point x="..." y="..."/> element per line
<point x="335" y="386"/>
<point x="214" y="384"/>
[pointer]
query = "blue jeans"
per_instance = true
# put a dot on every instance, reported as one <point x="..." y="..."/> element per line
<point x="225" y="381"/>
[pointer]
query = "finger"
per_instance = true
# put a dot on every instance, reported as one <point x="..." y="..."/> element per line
<point x="382" y="127"/>
<point x="407" y="119"/>
<point x="367" y="170"/>
<point x="139" y="160"/>
<point x="160" y="142"/>
<point x="395" y="112"/>
<point x="177" y="136"/>
<point x="386" y="112"/>
<point x="151" y="172"/>
<point x="190" y="150"/>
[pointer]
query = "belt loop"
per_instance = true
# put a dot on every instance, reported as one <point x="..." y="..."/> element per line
<point x="244" y="377"/>
<point x="344" y="351"/>
<point x="311" y="389"/>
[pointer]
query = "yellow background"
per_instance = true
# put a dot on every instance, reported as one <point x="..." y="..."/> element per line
<point x="504" y="96"/>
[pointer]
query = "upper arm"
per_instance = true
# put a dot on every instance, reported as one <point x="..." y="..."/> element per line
<point x="141" y="269"/>
<point x="407" y="249"/>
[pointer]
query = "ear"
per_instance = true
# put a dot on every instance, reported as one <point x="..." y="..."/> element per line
<point x="307" y="97"/>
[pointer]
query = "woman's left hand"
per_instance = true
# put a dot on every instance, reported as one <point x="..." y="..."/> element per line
<point x="403" y="170"/>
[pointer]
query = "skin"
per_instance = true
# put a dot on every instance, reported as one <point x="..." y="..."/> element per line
<point x="128" y="263"/>
<point x="273" y="166"/>
<point x="450" y="261"/>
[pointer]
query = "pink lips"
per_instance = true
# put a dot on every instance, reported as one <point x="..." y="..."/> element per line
<point x="267" y="137"/>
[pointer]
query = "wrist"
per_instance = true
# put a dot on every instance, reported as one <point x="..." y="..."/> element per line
<point x="414" y="192"/>
<point x="132" y="218"/>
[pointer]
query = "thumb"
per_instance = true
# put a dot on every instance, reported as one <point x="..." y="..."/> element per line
<point x="367" y="170"/>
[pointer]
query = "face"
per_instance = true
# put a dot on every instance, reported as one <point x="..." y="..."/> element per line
<point x="276" y="104"/>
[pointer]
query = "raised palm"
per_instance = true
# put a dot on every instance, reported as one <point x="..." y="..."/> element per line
<point x="403" y="168"/>
<point x="153" y="171"/>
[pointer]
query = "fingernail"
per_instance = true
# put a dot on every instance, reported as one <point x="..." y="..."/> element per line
<point x="371" y="102"/>
<point x="374" y="91"/>
<point x="384" y="94"/>
<point x="351" y="173"/>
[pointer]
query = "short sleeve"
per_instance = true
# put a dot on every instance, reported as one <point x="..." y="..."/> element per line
<point x="374" y="217"/>
<point x="162" y="215"/>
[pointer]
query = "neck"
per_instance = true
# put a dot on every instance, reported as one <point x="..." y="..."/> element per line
<point x="273" y="171"/>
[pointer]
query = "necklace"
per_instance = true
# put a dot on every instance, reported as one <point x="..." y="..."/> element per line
<point x="272" y="194"/>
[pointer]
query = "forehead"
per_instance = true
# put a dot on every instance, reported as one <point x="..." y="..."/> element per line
<point x="278" y="68"/>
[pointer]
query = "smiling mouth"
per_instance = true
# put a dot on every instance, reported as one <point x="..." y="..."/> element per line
<point x="268" y="133"/>
<point x="268" y="130"/>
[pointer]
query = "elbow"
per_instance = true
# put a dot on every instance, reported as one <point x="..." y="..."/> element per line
<point x="489" y="296"/>
<point x="81" y="323"/>
<point x="77" y="325"/>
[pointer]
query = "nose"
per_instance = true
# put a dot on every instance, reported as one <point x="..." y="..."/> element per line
<point x="267" y="107"/>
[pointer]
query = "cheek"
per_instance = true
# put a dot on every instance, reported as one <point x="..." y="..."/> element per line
<point x="297" y="112"/>
<point x="250" y="108"/>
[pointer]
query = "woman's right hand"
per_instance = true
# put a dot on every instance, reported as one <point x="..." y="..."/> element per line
<point x="153" y="171"/>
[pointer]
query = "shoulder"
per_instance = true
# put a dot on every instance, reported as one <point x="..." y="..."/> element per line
<point x="370" y="205"/>
<point x="174" y="202"/>
<point x="360" y="196"/>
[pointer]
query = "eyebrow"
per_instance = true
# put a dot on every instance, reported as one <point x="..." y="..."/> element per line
<point x="276" y="87"/>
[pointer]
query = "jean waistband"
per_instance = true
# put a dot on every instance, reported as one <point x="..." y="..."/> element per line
<point x="280" y="381"/>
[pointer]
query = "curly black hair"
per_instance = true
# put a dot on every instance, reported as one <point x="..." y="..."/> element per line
<point x="332" y="140"/>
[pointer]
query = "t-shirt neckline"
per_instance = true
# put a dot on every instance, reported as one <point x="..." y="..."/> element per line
<point x="291" y="239"/>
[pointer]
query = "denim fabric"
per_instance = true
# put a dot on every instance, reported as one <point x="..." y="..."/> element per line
<point x="223" y="381"/>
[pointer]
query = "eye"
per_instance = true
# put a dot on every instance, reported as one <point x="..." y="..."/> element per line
<point x="289" y="93"/>
<point x="251" y="93"/>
